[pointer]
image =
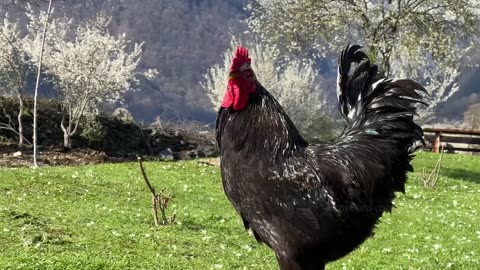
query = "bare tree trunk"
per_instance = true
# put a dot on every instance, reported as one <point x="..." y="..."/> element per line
<point x="20" y="123"/>
<point x="35" y="164"/>
<point x="67" y="142"/>
<point x="67" y="132"/>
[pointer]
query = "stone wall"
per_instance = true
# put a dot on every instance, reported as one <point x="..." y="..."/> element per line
<point x="114" y="136"/>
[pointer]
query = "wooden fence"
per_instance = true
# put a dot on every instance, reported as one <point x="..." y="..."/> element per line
<point x="453" y="140"/>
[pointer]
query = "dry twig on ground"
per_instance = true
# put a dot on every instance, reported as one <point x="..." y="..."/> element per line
<point x="159" y="200"/>
<point x="432" y="179"/>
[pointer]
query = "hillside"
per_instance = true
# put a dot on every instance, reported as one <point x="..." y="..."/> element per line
<point x="182" y="39"/>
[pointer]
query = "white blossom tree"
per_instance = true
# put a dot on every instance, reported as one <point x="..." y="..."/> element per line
<point x="405" y="37"/>
<point x="294" y="83"/>
<point x="14" y="67"/>
<point x="88" y="65"/>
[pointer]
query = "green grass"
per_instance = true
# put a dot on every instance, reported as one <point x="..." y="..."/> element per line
<point x="99" y="217"/>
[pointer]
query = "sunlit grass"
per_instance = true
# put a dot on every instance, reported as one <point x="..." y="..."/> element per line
<point x="99" y="217"/>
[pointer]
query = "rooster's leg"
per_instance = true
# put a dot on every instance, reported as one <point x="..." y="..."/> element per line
<point x="286" y="263"/>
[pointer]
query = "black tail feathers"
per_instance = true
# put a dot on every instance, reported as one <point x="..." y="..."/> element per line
<point x="375" y="105"/>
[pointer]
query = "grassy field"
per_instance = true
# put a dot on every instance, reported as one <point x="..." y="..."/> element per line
<point x="99" y="217"/>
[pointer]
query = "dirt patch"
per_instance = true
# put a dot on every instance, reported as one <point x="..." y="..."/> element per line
<point x="12" y="156"/>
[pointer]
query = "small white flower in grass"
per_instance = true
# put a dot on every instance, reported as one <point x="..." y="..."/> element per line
<point x="449" y="265"/>
<point x="217" y="266"/>
<point x="437" y="246"/>
<point x="147" y="235"/>
<point x="387" y="250"/>
<point x="412" y="250"/>
<point x="247" y="248"/>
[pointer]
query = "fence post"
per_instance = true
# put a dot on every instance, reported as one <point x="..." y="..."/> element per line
<point x="436" y="143"/>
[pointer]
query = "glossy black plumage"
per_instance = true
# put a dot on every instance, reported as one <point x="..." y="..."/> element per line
<point x="316" y="203"/>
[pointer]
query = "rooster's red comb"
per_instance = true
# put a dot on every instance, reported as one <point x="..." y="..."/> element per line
<point x="240" y="57"/>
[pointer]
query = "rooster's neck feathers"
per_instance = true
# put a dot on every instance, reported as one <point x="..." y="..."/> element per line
<point x="262" y="126"/>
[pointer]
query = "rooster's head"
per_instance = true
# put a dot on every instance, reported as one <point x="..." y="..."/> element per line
<point x="241" y="81"/>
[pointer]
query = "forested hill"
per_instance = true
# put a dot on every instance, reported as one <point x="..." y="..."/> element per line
<point x="182" y="39"/>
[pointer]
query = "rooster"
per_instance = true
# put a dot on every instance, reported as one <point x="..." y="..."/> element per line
<point x="315" y="203"/>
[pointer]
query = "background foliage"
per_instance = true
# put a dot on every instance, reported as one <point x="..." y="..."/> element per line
<point x="183" y="39"/>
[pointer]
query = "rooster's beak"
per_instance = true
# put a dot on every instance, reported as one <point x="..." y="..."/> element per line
<point x="233" y="75"/>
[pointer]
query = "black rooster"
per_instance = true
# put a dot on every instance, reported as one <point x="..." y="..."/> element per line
<point x="313" y="204"/>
